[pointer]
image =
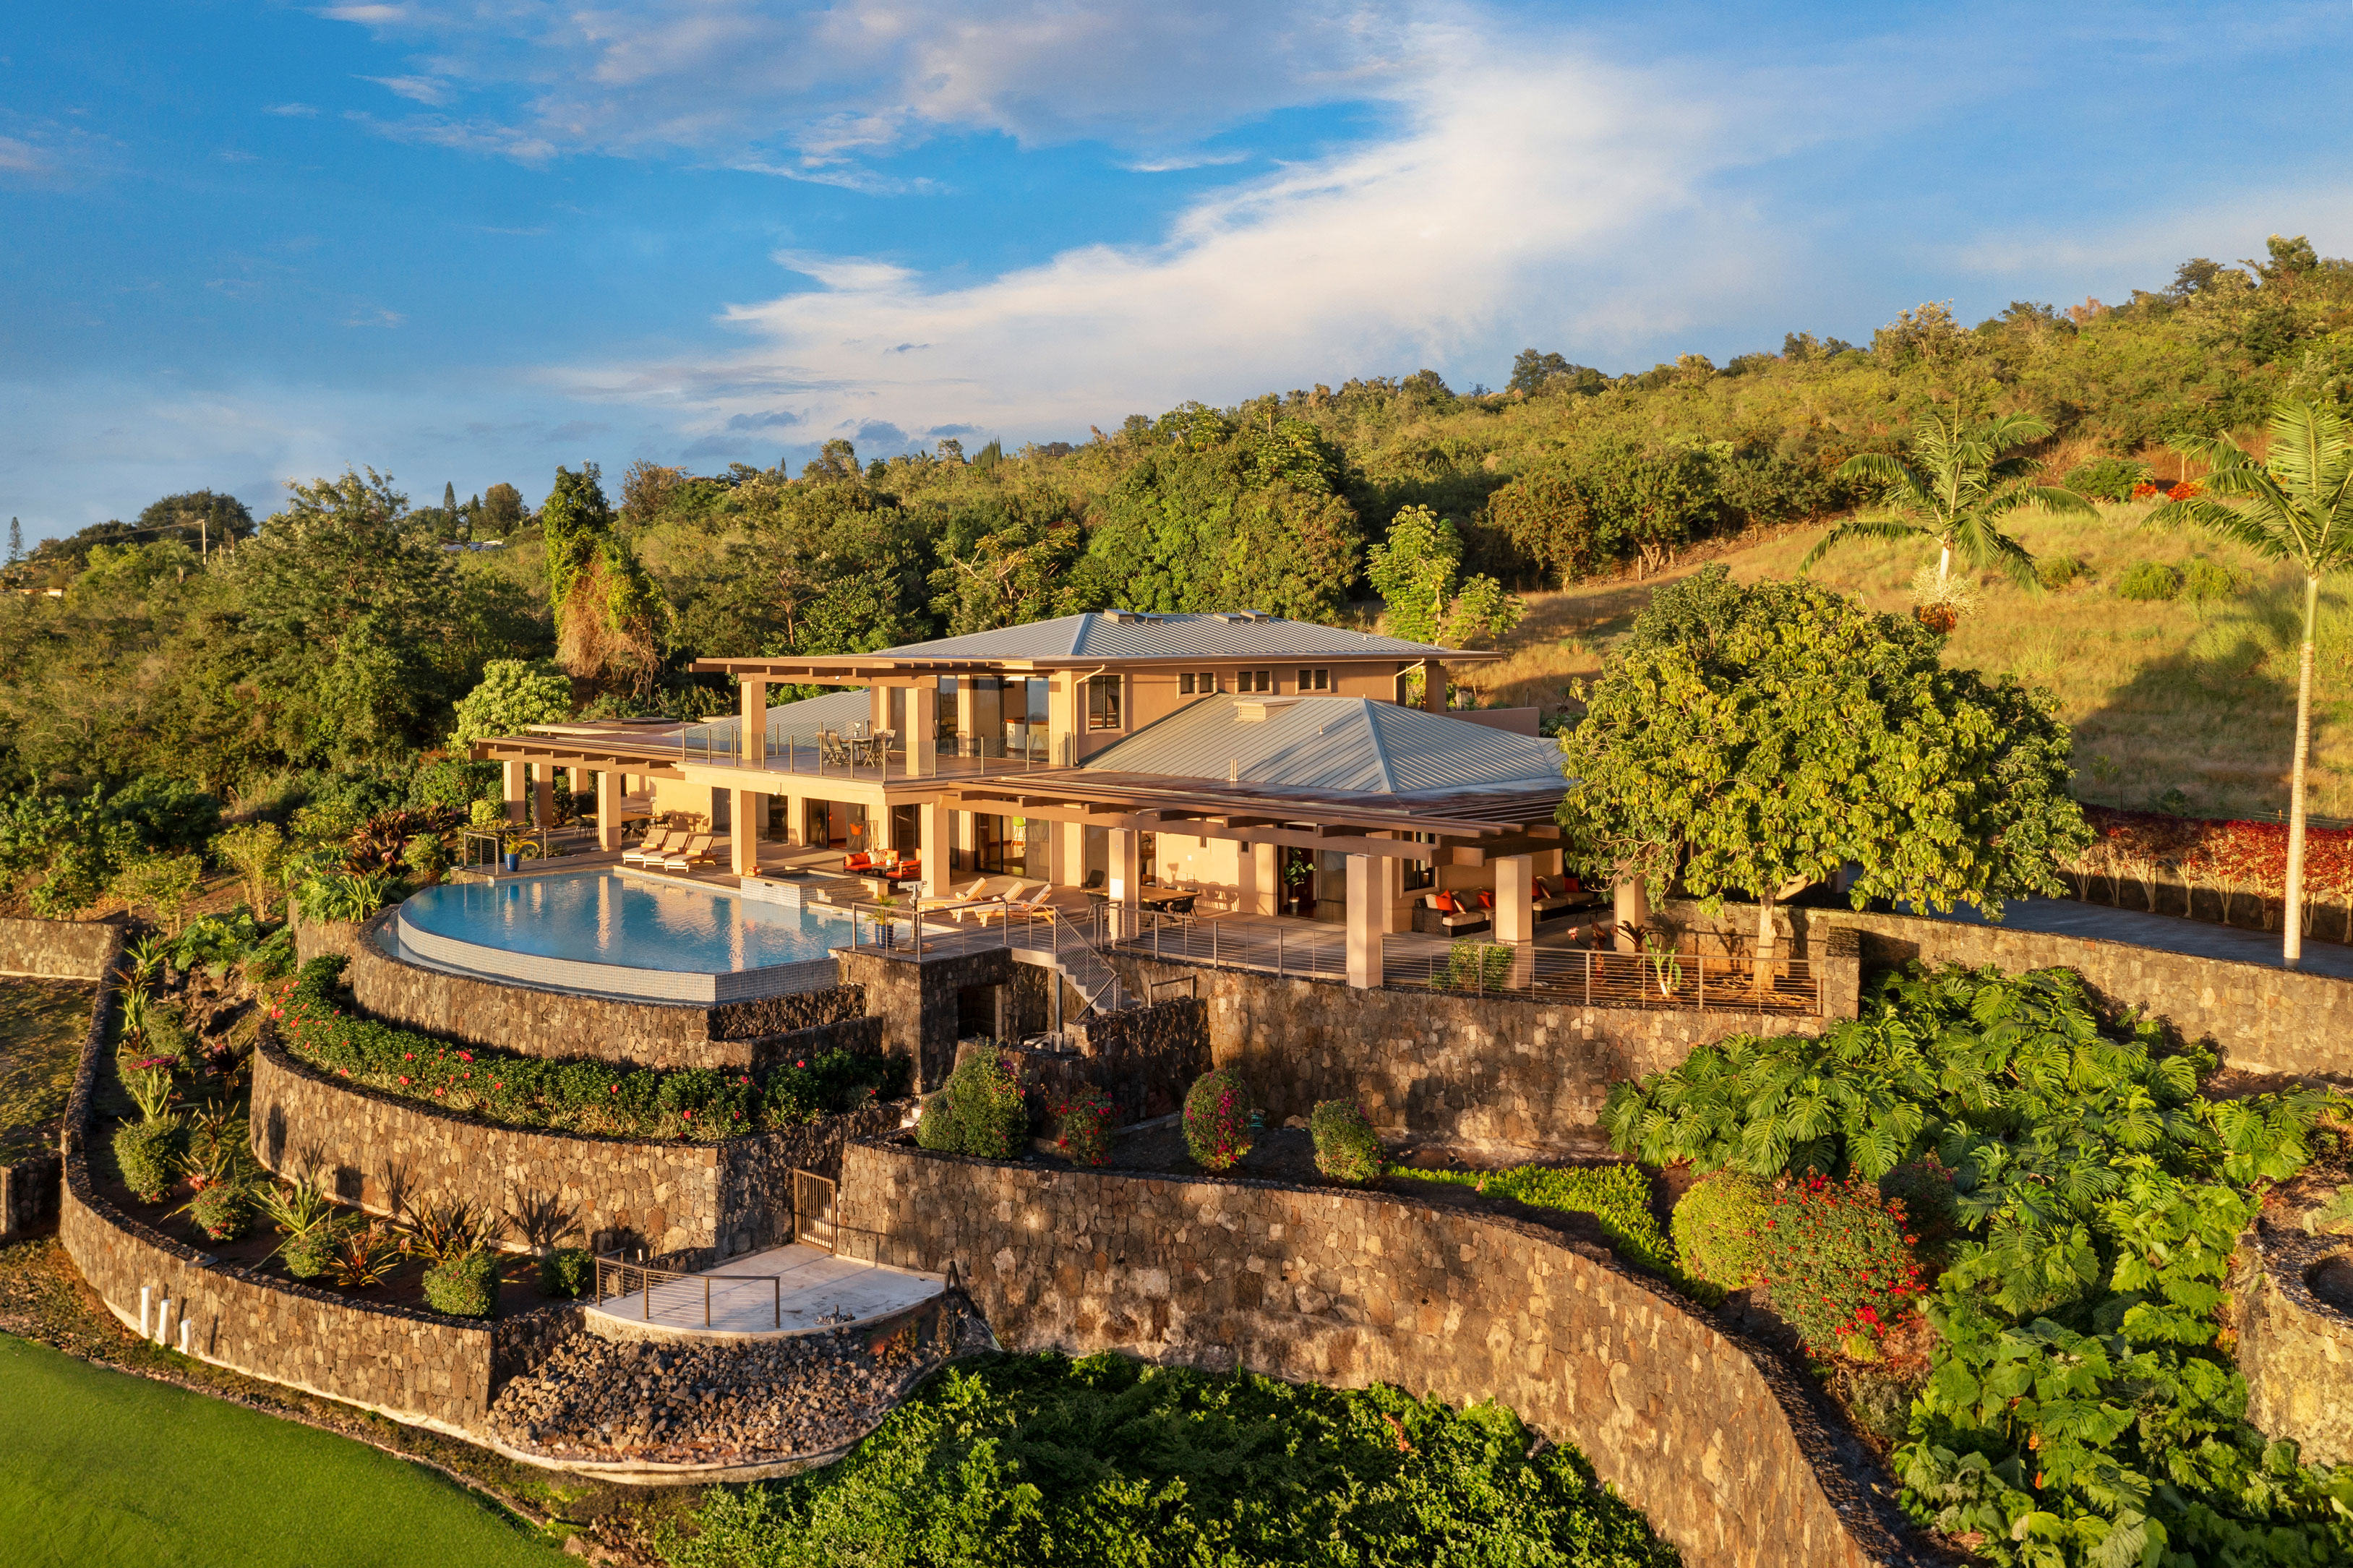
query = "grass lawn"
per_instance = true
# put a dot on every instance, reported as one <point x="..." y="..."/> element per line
<point x="42" y="1023"/>
<point x="99" y="1468"/>
<point x="2164" y="696"/>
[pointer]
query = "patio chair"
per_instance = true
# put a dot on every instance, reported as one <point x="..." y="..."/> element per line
<point x="953" y="896"/>
<point x="852" y="865"/>
<point x="658" y="843"/>
<point x="696" y="851"/>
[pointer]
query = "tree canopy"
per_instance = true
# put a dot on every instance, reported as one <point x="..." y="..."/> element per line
<point x="1756" y="739"/>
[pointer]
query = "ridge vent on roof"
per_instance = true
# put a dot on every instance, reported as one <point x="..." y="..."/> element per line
<point x="1236" y="617"/>
<point x="1128" y="618"/>
<point x="1259" y="710"/>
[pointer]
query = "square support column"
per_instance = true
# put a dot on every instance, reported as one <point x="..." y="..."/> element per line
<point x="1124" y="882"/>
<point x="1366" y="886"/>
<point x="609" y="810"/>
<point x="542" y="795"/>
<point x="515" y="787"/>
<point x="932" y="820"/>
<point x="1515" y="909"/>
<point x="744" y="832"/>
<point x="921" y="741"/>
<point x="1630" y="907"/>
<point x="1070" y="853"/>
<point x="754" y="710"/>
<point x="1433" y="686"/>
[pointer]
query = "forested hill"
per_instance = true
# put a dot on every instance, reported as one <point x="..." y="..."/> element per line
<point x="338" y="636"/>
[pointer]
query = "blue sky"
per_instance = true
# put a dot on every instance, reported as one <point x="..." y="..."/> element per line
<point x="466" y="240"/>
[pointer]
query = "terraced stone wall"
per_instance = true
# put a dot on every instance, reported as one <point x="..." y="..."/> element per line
<point x="1731" y="1454"/>
<point x="384" y="1152"/>
<point x="2295" y="1349"/>
<point x="58" y="950"/>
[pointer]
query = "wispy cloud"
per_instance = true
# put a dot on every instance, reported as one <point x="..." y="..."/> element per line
<point x="18" y="157"/>
<point x="460" y="135"/>
<point x="1185" y="160"/>
<point x="1525" y="180"/>
<point x="292" y="111"/>
<point x="422" y="90"/>
<point x="374" y="316"/>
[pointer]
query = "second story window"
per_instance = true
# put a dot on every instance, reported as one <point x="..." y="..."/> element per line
<point x="1253" y="680"/>
<point x="1314" y="680"/>
<point x="1204" y="684"/>
<point x="1103" y="702"/>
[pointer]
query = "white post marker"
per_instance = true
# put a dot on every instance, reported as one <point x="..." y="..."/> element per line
<point x="145" y="1298"/>
<point x="183" y="1334"/>
<point x="163" y="1322"/>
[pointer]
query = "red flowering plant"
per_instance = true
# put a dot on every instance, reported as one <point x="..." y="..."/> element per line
<point x="1082" y="1126"/>
<point x="1220" y="1120"/>
<point x="1838" y="1258"/>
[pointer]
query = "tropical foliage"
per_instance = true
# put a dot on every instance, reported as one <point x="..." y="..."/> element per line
<point x="2080" y="1408"/>
<point x="1109" y="1463"/>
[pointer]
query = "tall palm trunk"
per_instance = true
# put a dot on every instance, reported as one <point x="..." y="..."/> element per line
<point x="2293" y="916"/>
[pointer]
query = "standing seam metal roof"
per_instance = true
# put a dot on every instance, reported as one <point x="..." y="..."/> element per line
<point x="800" y="720"/>
<point x="1350" y="743"/>
<point x="1097" y="635"/>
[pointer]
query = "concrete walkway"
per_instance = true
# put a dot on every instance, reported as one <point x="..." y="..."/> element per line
<point x="791" y="1289"/>
<point x="2165" y="933"/>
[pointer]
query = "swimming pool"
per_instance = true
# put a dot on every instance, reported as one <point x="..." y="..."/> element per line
<point x="614" y="935"/>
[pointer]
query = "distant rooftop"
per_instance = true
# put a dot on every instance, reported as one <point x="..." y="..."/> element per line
<point x="1133" y="634"/>
<point x="1349" y="743"/>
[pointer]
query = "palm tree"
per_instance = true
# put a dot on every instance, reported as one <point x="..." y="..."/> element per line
<point x="1956" y="487"/>
<point x="2293" y="507"/>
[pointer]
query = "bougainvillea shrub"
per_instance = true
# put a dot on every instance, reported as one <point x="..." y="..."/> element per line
<point x="1082" y="1126"/>
<point x="1839" y="1262"/>
<point x="1220" y="1120"/>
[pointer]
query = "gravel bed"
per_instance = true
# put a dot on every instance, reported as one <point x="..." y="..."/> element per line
<point x="724" y="1402"/>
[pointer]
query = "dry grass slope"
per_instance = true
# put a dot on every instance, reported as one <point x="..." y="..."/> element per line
<point x="2164" y="696"/>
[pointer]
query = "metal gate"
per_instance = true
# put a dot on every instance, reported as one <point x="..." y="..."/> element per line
<point x="813" y="1210"/>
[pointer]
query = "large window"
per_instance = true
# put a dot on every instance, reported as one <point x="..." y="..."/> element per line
<point x="1253" y="680"/>
<point x="1203" y="683"/>
<point x="1103" y="702"/>
<point x="1420" y="875"/>
<point x="1314" y="680"/>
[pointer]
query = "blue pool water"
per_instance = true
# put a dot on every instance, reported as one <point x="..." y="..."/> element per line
<point x="598" y="917"/>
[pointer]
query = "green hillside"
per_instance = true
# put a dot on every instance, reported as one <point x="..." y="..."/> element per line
<point x="337" y="638"/>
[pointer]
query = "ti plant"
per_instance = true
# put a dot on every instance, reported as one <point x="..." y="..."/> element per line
<point x="364" y="1255"/>
<point x="446" y="1228"/>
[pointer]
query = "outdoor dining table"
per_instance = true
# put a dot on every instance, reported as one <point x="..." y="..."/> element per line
<point x="1168" y="900"/>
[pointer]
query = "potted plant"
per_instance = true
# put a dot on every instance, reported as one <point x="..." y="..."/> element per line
<point x="515" y="846"/>
<point x="1298" y="878"/>
<point x="886" y="907"/>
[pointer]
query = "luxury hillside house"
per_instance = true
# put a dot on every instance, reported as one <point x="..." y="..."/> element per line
<point x="1208" y="766"/>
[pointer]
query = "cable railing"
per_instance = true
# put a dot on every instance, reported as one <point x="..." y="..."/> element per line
<point x="938" y="929"/>
<point x="881" y="755"/>
<point x="616" y="1267"/>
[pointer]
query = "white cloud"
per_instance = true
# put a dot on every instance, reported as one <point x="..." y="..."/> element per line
<point x="460" y="135"/>
<point x="1526" y="184"/>
<point x="292" y="111"/>
<point x="739" y="80"/>
<point x="22" y="157"/>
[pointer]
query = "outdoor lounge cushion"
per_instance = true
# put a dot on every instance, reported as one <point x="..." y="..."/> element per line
<point x="1444" y="904"/>
<point x="656" y="843"/>
<point x="857" y="862"/>
<point x="1486" y="900"/>
<point x="696" y="848"/>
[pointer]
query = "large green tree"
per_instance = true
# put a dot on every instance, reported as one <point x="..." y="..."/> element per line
<point x="2295" y="506"/>
<point x="1757" y="739"/>
<point x="1956" y="485"/>
<point x="610" y="616"/>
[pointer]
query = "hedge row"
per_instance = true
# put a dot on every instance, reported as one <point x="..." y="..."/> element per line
<point x="316" y="1022"/>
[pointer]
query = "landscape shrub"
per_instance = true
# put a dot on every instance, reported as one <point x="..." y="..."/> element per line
<point x="1718" y="1226"/>
<point x="1110" y="1463"/>
<point x="1082" y="1126"/>
<point x="2205" y="579"/>
<point x="579" y="1096"/>
<point x="1619" y="1196"/>
<point x="2107" y="478"/>
<point x="464" y="1285"/>
<point x="146" y="1152"/>
<point x="979" y="1110"/>
<point x="2056" y="572"/>
<point x="2148" y="580"/>
<point x="222" y="1211"/>
<point x="568" y="1272"/>
<point x="2081" y="1405"/>
<point x="1346" y="1147"/>
<point x="1839" y="1262"/>
<point x="1220" y="1120"/>
<point x="311" y="1253"/>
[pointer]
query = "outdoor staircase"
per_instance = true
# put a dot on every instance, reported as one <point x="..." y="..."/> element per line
<point x="1068" y="951"/>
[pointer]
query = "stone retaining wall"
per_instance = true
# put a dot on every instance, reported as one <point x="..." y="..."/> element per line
<point x="2295" y="1349"/>
<point x="530" y="1020"/>
<point x="382" y="1152"/>
<point x="29" y="1194"/>
<point x="58" y="950"/>
<point x="324" y="939"/>
<point x="414" y="1366"/>
<point x="1501" y="1073"/>
<point x="1730" y="1455"/>
<point x="2259" y="1019"/>
<point x="919" y="1004"/>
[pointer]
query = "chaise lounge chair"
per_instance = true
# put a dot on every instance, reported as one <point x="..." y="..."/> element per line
<point x="942" y="900"/>
<point x="656" y="844"/>
<point x="696" y="851"/>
